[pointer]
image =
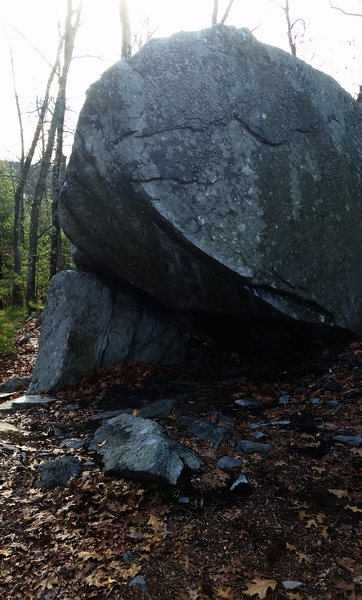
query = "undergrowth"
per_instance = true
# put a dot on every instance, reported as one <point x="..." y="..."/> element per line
<point x="11" y="320"/>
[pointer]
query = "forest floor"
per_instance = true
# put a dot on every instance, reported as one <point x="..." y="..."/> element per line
<point x="295" y="520"/>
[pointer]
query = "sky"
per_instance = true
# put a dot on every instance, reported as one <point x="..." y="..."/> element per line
<point x="332" y="43"/>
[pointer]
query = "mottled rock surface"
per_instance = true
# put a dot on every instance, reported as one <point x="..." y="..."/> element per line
<point x="139" y="449"/>
<point x="88" y="324"/>
<point x="217" y="173"/>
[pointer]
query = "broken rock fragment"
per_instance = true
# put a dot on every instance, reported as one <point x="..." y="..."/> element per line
<point x="137" y="448"/>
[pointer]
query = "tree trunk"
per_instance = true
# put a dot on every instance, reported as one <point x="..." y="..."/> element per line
<point x="126" y="29"/>
<point x="56" y="126"/>
<point x="214" y="12"/>
<point x="24" y="173"/>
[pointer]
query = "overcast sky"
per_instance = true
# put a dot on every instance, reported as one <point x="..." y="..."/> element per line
<point x="332" y="43"/>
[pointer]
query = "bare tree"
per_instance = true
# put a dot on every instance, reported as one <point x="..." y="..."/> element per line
<point x="215" y="11"/>
<point x="349" y="14"/>
<point x="345" y="12"/>
<point x="291" y="26"/>
<point x="24" y="174"/>
<point x="56" y="129"/>
<point x="126" y="29"/>
<point x="58" y="172"/>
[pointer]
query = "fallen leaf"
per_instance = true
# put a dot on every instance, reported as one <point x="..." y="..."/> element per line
<point x="303" y="558"/>
<point x="325" y="532"/>
<point x="155" y="523"/>
<point x="223" y="592"/>
<point x="102" y="443"/>
<point x="291" y="547"/>
<point x="339" y="493"/>
<point x="354" y="509"/>
<point x="311" y="523"/>
<point x="294" y="596"/>
<point x="136" y="412"/>
<point x="260" y="587"/>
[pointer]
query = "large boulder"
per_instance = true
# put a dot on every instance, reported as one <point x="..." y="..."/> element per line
<point x="216" y="173"/>
<point x="89" y="324"/>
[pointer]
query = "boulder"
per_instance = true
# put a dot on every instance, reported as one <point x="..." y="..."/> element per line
<point x="89" y="324"/>
<point x="220" y="174"/>
<point x="138" y="449"/>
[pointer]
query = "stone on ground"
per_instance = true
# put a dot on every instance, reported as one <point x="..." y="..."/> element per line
<point x="137" y="448"/>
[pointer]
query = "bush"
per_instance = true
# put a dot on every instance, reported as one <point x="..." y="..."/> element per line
<point x="11" y="319"/>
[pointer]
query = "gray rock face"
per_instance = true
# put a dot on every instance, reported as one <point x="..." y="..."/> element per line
<point x="24" y="402"/>
<point x="58" y="471"/>
<point x="138" y="449"/>
<point x="13" y="384"/>
<point x="217" y="173"/>
<point x="88" y="325"/>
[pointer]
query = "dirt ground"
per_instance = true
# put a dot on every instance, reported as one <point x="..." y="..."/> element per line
<point x="290" y="532"/>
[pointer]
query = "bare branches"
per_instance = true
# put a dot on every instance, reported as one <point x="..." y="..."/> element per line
<point x="227" y="12"/>
<point x="214" y="20"/>
<point x="345" y="12"/>
<point x="292" y="37"/>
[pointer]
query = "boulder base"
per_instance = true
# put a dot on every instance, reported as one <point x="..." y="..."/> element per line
<point x="88" y="324"/>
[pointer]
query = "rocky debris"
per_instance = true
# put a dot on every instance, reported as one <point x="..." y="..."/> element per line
<point x="128" y="557"/>
<point x="228" y="462"/>
<point x="88" y="324"/>
<point x="8" y="428"/>
<point x="254" y="178"/>
<point x="291" y="585"/>
<point x="215" y="434"/>
<point x="241" y="484"/>
<point x="153" y="410"/>
<point x="28" y="401"/>
<point x="349" y="440"/>
<point x="57" y="471"/>
<point x="137" y="448"/>
<point x="249" y="402"/>
<point x="140" y="583"/>
<point x="160" y="408"/>
<point x="14" y="383"/>
<point x="251" y="447"/>
<point x="284" y="399"/>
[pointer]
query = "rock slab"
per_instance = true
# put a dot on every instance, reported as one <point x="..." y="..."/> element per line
<point x="137" y="448"/>
<point x="23" y="402"/>
<point x="88" y="324"/>
<point x="58" y="471"/>
<point x="220" y="174"/>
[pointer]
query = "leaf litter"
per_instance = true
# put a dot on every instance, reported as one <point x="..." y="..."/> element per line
<point x="298" y="521"/>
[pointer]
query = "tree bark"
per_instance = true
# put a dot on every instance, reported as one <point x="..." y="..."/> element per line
<point x="56" y="125"/>
<point x="24" y="173"/>
<point x="126" y="29"/>
<point x="214" y="12"/>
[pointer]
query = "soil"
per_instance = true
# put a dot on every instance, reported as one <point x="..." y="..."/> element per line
<point x="296" y="519"/>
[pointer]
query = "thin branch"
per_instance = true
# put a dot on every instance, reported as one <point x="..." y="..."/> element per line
<point x="227" y="12"/>
<point x="349" y="14"/>
<point x="214" y="12"/>
<point x="17" y="102"/>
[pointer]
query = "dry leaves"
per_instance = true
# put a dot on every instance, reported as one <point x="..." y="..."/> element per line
<point x="260" y="587"/>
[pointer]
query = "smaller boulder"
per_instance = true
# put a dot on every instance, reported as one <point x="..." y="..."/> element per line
<point x="12" y="385"/>
<point x="137" y="448"/>
<point x="58" y="472"/>
<point x="24" y="402"/>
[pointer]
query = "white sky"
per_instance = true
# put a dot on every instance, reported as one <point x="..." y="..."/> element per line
<point x="332" y="43"/>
